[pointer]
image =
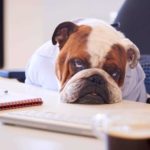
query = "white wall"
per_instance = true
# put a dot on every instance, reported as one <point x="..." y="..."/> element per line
<point x="29" y="23"/>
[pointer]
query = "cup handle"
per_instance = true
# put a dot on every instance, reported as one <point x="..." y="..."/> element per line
<point x="98" y="124"/>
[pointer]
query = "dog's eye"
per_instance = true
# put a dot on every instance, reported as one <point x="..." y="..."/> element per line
<point x="115" y="74"/>
<point x="78" y="64"/>
<point x="113" y="71"/>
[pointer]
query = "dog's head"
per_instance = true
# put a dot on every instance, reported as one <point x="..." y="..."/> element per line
<point x="92" y="62"/>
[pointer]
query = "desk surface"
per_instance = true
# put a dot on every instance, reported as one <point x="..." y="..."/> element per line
<point x="18" y="138"/>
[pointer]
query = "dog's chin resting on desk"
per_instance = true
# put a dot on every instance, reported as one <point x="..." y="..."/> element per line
<point x="97" y="64"/>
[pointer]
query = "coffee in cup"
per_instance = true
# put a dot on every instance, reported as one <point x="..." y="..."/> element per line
<point x="123" y="132"/>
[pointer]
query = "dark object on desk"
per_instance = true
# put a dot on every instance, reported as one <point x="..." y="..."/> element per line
<point x="148" y="100"/>
<point x="120" y="142"/>
<point x="13" y="74"/>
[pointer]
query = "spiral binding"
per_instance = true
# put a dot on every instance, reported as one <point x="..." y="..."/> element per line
<point x="20" y="103"/>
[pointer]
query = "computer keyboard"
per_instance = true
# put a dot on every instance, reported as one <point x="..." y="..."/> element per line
<point x="65" y="123"/>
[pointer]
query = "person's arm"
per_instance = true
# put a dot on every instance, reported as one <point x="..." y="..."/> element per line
<point x="40" y="70"/>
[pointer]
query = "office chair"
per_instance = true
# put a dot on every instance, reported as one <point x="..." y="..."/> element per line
<point x="134" y="21"/>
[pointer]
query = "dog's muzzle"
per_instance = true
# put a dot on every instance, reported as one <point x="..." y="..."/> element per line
<point x="91" y="86"/>
<point x="94" y="91"/>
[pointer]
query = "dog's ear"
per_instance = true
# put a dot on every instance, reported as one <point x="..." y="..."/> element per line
<point x="62" y="33"/>
<point x="132" y="51"/>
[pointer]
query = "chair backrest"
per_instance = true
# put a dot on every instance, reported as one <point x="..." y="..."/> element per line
<point x="145" y="63"/>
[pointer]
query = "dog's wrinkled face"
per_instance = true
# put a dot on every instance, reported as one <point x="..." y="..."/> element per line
<point x="92" y="62"/>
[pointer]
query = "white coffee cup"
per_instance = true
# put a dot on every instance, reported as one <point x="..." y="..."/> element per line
<point x="123" y="131"/>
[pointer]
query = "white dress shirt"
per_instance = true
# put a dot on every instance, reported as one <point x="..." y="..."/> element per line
<point x="40" y="70"/>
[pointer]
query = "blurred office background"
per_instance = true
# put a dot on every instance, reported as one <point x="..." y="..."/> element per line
<point x="30" y="23"/>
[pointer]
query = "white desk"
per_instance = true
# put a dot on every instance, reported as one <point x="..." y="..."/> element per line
<point x="18" y="138"/>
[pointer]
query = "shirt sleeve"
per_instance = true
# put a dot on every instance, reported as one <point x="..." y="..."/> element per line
<point x="40" y="70"/>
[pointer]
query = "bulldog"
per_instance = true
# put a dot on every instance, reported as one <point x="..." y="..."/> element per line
<point x="93" y="62"/>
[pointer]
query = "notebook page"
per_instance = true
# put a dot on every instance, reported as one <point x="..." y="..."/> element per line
<point x="10" y="96"/>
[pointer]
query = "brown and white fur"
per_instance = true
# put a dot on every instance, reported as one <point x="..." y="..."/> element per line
<point x="93" y="60"/>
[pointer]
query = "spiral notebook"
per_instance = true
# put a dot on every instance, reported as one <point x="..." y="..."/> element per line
<point x="12" y="100"/>
<point x="40" y="119"/>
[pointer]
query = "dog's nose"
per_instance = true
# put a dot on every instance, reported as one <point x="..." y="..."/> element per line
<point x="97" y="79"/>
